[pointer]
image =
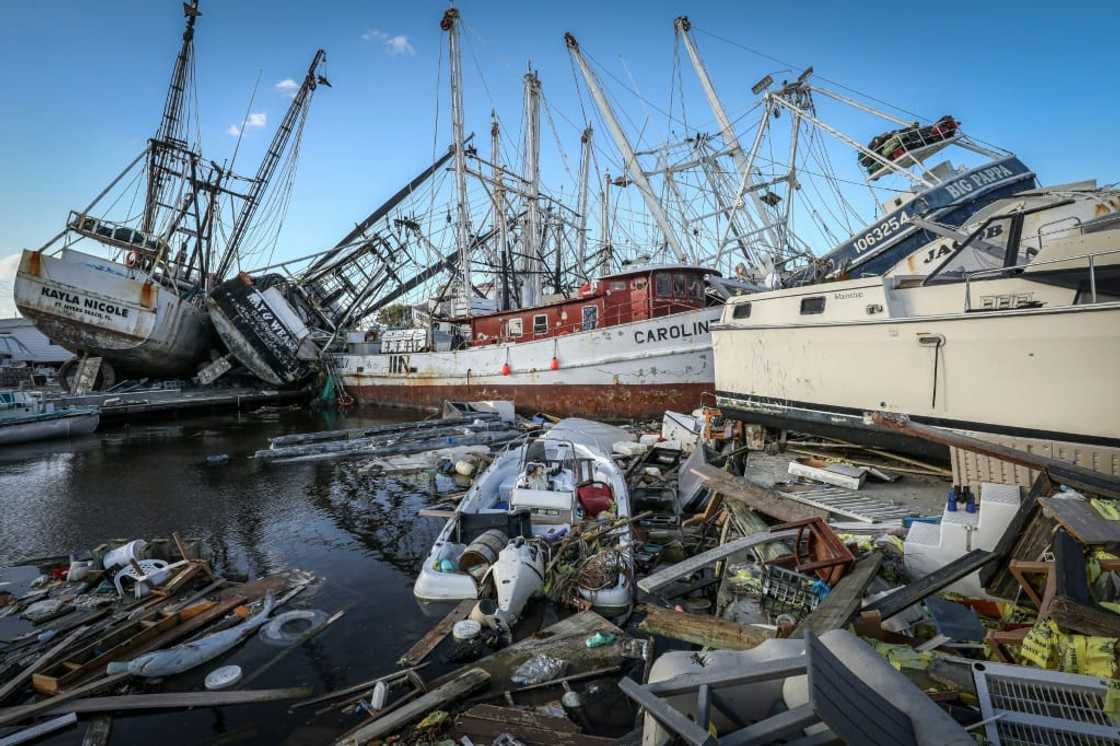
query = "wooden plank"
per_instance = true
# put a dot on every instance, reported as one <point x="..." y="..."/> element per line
<point x="905" y="597"/>
<point x="1073" y="608"/>
<point x="100" y="728"/>
<point x="763" y="499"/>
<point x="460" y="686"/>
<point x="699" y="629"/>
<point x="517" y="717"/>
<point x="1082" y="521"/>
<point x="565" y="640"/>
<point x="435" y="635"/>
<point x="1063" y="472"/>
<point x="168" y="630"/>
<point x="175" y="700"/>
<point x="25" y="675"/>
<point x="835" y="611"/>
<point x="16" y="714"/>
<point x="435" y="513"/>
<point x="665" y="576"/>
<point x="30" y="734"/>
<point x="484" y="723"/>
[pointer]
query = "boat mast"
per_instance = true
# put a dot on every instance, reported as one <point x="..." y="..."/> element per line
<point x="630" y="159"/>
<point x="499" y="199"/>
<point x="581" y="202"/>
<point x="268" y="166"/>
<point x="683" y="27"/>
<point x="531" y="260"/>
<point x="168" y="136"/>
<point x="450" y="24"/>
<point x="604" y="265"/>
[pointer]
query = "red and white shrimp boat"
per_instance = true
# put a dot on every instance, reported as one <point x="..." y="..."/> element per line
<point x="631" y="345"/>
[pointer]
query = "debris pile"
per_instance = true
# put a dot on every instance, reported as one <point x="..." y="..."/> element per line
<point x="106" y="626"/>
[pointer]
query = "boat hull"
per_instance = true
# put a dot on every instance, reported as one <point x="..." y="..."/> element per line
<point x="92" y="306"/>
<point x="258" y="332"/>
<point x="626" y="371"/>
<point x="49" y="427"/>
<point x="1042" y="373"/>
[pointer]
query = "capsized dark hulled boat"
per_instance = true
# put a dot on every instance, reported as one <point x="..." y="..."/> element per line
<point x="273" y="326"/>
<point x="259" y="325"/>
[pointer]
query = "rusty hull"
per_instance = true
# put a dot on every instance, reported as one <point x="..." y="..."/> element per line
<point x="613" y="402"/>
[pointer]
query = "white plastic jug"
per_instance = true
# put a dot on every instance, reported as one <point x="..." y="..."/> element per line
<point x="122" y="556"/>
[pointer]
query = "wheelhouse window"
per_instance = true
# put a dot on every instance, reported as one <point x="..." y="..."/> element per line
<point x="514" y="328"/>
<point x="664" y="285"/>
<point x="694" y="287"/>
<point x="679" y="283"/>
<point x="590" y="318"/>
<point x="812" y="305"/>
<point x="741" y="311"/>
<point x="540" y="323"/>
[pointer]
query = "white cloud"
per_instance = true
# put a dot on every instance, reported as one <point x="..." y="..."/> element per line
<point x="8" y="266"/>
<point x="288" y="87"/>
<point x="255" y="119"/>
<point x="394" y="45"/>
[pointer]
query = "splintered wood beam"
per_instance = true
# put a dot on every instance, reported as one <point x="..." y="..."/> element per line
<point x="458" y="687"/>
<point x="24" y="676"/>
<point x="178" y="700"/>
<point x="844" y="600"/>
<point x="699" y="629"/>
<point x="1063" y="472"/>
<point x="16" y="714"/>
<point x="763" y="499"/>
<point x="1082" y="521"/>
<point x="436" y="634"/>
<point x="30" y="734"/>
<point x="905" y="597"/>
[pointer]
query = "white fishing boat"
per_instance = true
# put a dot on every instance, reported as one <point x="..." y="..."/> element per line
<point x="535" y="493"/>
<point x="130" y="288"/>
<point x="26" y="416"/>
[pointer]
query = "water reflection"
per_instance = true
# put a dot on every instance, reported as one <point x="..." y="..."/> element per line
<point x="357" y="531"/>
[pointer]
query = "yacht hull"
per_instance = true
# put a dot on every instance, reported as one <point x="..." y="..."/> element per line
<point x="1043" y="373"/>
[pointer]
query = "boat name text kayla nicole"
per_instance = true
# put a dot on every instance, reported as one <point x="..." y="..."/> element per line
<point x="88" y="304"/>
<point x="676" y="331"/>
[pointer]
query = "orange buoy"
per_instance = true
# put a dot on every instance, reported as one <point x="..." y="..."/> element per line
<point x="555" y="364"/>
<point x="505" y="369"/>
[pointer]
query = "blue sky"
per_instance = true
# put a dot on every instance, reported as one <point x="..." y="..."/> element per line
<point x="83" y="83"/>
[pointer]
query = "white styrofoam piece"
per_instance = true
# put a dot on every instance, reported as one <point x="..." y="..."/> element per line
<point x="826" y="475"/>
<point x="628" y="448"/>
<point x="681" y="428"/>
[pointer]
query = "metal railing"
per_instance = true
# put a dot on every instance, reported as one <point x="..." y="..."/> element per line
<point x="997" y="271"/>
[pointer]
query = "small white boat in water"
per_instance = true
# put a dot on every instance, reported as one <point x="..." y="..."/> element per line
<point x="26" y="416"/>
<point x="535" y="493"/>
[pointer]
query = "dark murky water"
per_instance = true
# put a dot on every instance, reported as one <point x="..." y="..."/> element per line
<point x="358" y="532"/>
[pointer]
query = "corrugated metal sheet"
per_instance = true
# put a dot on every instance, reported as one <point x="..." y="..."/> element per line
<point x="21" y="342"/>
